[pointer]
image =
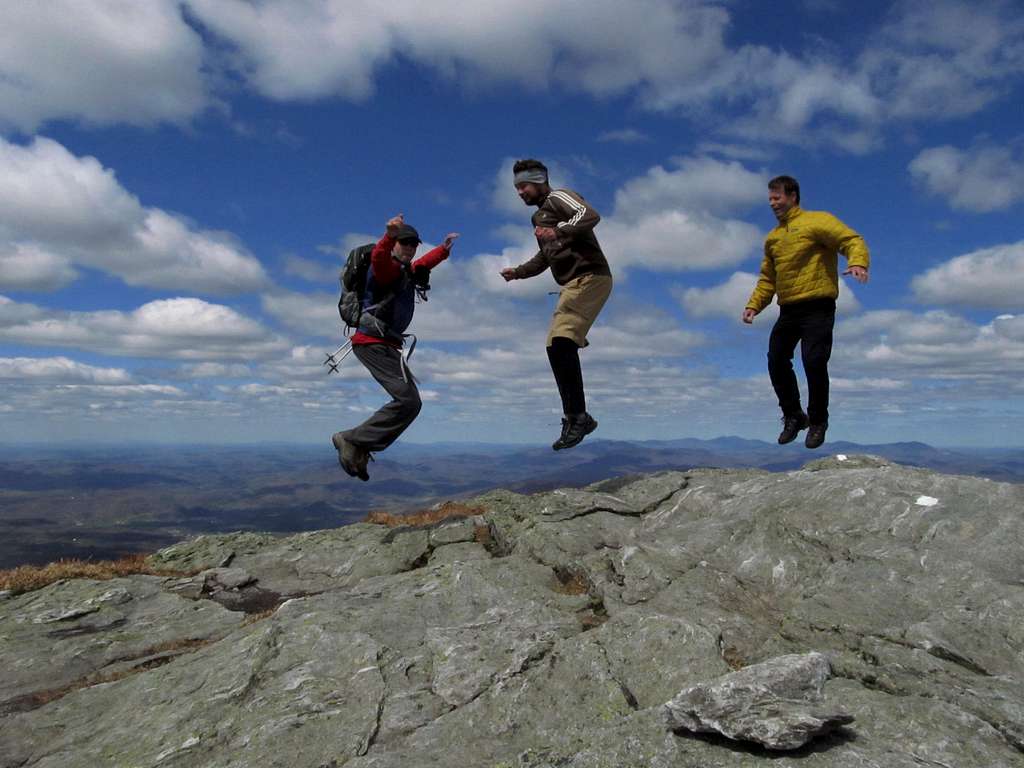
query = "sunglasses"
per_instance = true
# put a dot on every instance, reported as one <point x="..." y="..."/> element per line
<point x="409" y="241"/>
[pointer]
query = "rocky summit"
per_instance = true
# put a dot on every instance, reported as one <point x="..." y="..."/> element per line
<point x="852" y="613"/>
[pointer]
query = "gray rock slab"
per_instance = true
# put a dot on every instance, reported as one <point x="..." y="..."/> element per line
<point x="307" y="562"/>
<point x="273" y="694"/>
<point x="74" y="629"/>
<point x="778" y="703"/>
<point x="558" y="643"/>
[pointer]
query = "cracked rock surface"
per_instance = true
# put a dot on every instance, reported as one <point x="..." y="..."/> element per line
<point x="551" y="631"/>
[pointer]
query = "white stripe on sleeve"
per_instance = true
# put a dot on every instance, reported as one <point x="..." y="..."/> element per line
<point x="573" y="203"/>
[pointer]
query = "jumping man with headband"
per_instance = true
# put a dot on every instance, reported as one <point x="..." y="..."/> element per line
<point x="564" y="226"/>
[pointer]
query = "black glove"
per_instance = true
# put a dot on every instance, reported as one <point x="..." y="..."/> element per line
<point x="421" y="277"/>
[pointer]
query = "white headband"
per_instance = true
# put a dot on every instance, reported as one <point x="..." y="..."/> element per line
<point x="533" y="176"/>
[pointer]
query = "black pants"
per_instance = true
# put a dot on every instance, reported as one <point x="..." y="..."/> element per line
<point x="382" y="429"/>
<point x="810" y="323"/>
<point x="564" y="356"/>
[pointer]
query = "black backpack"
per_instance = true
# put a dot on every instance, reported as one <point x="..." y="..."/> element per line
<point x="353" y="284"/>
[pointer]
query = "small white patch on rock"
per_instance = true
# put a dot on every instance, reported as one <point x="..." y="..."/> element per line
<point x="926" y="501"/>
<point x="840" y="457"/>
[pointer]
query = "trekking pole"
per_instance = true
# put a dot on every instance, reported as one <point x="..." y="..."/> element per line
<point x="333" y="363"/>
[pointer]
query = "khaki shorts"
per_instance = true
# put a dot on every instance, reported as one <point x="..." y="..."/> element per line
<point x="579" y="303"/>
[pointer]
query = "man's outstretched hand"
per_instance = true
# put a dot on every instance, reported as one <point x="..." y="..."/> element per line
<point x="449" y="240"/>
<point x="394" y="225"/>
<point x="857" y="273"/>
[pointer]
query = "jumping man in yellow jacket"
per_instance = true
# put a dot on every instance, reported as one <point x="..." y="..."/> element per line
<point x="800" y="266"/>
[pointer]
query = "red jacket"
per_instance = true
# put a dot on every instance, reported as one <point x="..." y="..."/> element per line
<point x="387" y="269"/>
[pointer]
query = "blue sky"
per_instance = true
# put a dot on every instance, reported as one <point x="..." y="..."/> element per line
<point x="179" y="181"/>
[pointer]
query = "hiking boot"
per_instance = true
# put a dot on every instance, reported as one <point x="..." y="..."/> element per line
<point x="791" y="426"/>
<point x="351" y="457"/>
<point x="574" y="429"/>
<point x="815" y="435"/>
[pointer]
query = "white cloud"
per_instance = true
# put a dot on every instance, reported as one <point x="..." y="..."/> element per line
<point x="988" y="278"/>
<point x="669" y="220"/>
<point x="59" y="369"/>
<point x="180" y="328"/>
<point x="674" y="241"/>
<point x="315" y="314"/>
<point x="945" y="58"/>
<point x="115" y="61"/>
<point x="28" y="267"/>
<point x="983" y="178"/>
<point x="695" y="184"/>
<point x="313" y="271"/>
<point x="624" y="136"/>
<point x="1009" y="327"/>
<point x="103" y="61"/>
<point x="531" y="42"/>
<point x="73" y="209"/>
<point x="726" y="299"/>
<point x="934" y="345"/>
<point x="216" y="370"/>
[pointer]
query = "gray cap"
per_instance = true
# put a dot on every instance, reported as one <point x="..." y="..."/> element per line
<point x="407" y="232"/>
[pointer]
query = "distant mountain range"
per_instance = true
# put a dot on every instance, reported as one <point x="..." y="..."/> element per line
<point x="101" y="502"/>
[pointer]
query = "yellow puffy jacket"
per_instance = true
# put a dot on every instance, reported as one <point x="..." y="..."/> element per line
<point x="800" y="258"/>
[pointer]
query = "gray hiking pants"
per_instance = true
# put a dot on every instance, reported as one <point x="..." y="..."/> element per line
<point x="382" y="429"/>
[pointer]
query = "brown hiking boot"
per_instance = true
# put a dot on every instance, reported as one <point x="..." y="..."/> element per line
<point x="815" y="435"/>
<point x="351" y="457"/>
<point x="791" y="427"/>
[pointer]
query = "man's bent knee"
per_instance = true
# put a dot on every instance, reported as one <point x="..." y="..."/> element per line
<point x="411" y="404"/>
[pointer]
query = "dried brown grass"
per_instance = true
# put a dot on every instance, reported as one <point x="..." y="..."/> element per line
<point x="26" y="578"/>
<point x="424" y="517"/>
<point x="569" y="582"/>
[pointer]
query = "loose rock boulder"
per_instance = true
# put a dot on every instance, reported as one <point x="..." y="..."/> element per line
<point x="778" y="703"/>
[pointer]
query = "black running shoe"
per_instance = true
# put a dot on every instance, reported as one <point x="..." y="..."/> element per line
<point x="816" y="435"/>
<point x="574" y="429"/>
<point x="791" y="427"/>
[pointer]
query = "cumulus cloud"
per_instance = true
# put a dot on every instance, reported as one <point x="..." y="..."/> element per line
<point x="985" y="278"/>
<point x="315" y="314"/>
<point x="180" y="328"/>
<point x="29" y="267"/>
<point x="110" y="61"/>
<point x="695" y="184"/>
<point x="673" y="219"/>
<point x="624" y="136"/>
<point x="674" y="241"/>
<point x="981" y="179"/>
<point x="59" y="369"/>
<point x="73" y="210"/>
<point x="103" y="62"/>
<point x="933" y="345"/>
<point x="312" y="271"/>
<point x="526" y="41"/>
<point x="726" y="299"/>
<point x="944" y="59"/>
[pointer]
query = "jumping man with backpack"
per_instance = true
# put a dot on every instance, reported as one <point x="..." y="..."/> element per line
<point x="380" y="308"/>
<point x="564" y="226"/>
